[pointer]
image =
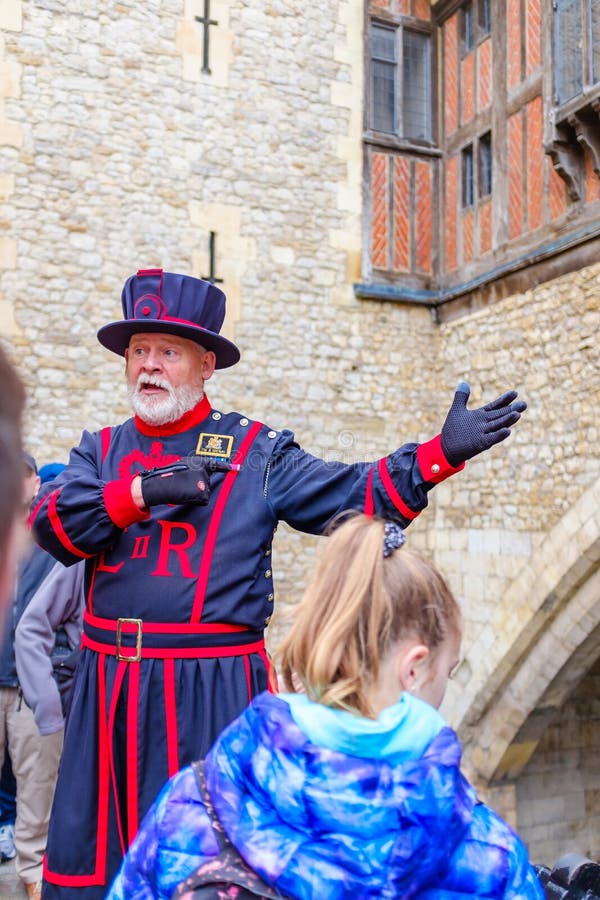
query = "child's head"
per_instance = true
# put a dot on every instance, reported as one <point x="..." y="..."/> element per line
<point x="369" y="625"/>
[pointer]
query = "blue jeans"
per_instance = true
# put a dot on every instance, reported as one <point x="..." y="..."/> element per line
<point x="8" y="789"/>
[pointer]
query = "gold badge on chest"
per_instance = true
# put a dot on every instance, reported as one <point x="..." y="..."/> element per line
<point x="214" y="445"/>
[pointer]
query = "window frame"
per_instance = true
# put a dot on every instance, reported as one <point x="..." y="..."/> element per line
<point x="589" y="85"/>
<point x="475" y="24"/>
<point x="484" y="18"/>
<point x="476" y="185"/>
<point x="467" y="28"/>
<point x="467" y="177"/>
<point x="570" y="139"/>
<point x="393" y="64"/>
<point x="400" y="24"/>
<point x="485" y="165"/>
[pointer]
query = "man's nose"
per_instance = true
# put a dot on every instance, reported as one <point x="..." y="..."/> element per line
<point x="152" y="362"/>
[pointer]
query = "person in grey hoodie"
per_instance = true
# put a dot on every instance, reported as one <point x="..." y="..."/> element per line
<point x="46" y="645"/>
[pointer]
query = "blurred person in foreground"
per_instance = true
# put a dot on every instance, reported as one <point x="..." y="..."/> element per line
<point x="174" y="512"/>
<point x="34" y="757"/>
<point x="348" y="785"/>
<point x="12" y="534"/>
<point x="12" y="401"/>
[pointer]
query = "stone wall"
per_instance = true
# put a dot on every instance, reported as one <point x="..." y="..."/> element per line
<point x="118" y="152"/>
<point x="554" y="809"/>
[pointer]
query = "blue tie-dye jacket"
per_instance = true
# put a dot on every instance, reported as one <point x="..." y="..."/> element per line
<point x="319" y="823"/>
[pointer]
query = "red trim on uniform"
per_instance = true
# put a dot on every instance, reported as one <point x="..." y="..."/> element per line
<point x="248" y="677"/>
<point x="39" y="505"/>
<point x="272" y="686"/>
<point x="392" y="493"/>
<point x="177" y="321"/>
<point x="103" y="773"/>
<point x="88" y="609"/>
<point x="215" y="521"/>
<point x="120" y="505"/>
<point x="164" y="627"/>
<point x="73" y="881"/>
<point x="60" y="532"/>
<point x="188" y="420"/>
<point x="369" y="505"/>
<point x="119" y="675"/>
<point x="174" y="652"/>
<point x="105" y="436"/>
<point x="99" y="875"/>
<point x="132" y="752"/>
<point x="171" y="717"/>
<point x="433" y="463"/>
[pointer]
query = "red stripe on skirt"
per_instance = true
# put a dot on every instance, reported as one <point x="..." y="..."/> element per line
<point x="99" y="875"/>
<point x="272" y="685"/>
<point x="171" y="717"/>
<point x="119" y="675"/>
<point x="132" y="752"/>
<point x="103" y="773"/>
<point x="248" y="678"/>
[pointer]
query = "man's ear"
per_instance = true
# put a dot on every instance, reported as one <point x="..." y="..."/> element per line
<point x="412" y="664"/>
<point x="208" y="364"/>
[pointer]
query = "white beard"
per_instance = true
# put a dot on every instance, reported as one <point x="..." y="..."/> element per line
<point x="159" y="409"/>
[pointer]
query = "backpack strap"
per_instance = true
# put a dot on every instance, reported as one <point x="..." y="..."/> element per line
<point x="227" y="874"/>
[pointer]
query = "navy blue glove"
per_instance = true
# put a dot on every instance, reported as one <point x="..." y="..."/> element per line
<point x="467" y="432"/>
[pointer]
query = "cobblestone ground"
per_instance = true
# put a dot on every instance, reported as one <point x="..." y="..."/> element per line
<point x="10" y="886"/>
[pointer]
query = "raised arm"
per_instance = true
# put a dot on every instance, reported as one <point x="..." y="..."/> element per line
<point x="308" y="492"/>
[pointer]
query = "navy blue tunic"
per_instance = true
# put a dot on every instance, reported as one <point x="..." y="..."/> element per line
<point x="152" y="694"/>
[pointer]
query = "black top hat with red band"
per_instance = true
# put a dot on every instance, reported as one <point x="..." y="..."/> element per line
<point x="164" y="302"/>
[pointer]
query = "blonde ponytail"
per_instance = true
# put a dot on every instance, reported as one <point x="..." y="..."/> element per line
<point x="357" y="604"/>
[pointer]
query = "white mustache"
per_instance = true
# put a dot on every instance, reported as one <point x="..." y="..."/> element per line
<point x="153" y="380"/>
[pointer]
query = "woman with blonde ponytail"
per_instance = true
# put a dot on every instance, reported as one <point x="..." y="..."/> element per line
<point x="347" y="784"/>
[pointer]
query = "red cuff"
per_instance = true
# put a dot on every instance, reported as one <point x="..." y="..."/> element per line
<point x="433" y="464"/>
<point x="120" y="505"/>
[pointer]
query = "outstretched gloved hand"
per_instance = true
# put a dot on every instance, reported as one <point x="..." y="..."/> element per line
<point x="467" y="432"/>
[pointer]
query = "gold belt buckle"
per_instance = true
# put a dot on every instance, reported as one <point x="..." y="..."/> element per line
<point x="138" y="640"/>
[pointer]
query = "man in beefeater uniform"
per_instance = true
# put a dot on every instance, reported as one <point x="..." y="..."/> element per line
<point x="174" y="512"/>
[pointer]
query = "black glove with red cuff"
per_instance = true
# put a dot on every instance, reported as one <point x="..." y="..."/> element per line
<point x="176" y="484"/>
<point x="186" y="481"/>
<point x="467" y="432"/>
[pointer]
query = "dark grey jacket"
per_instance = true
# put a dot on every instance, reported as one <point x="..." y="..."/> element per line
<point x="31" y="573"/>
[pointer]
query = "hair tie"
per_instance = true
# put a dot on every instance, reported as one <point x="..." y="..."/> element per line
<point x="393" y="538"/>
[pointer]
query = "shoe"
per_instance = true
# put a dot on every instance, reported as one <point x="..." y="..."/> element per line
<point x="34" y="890"/>
<point x="7" y="843"/>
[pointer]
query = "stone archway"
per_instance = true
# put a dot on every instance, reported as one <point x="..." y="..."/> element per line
<point x="548" y="636"/>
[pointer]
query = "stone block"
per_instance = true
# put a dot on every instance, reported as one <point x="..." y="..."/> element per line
<point x="11" y="133"/>
<point x="8" y="252"/>
<point x="10" y="78"/>
<point x="11" y="15"/>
